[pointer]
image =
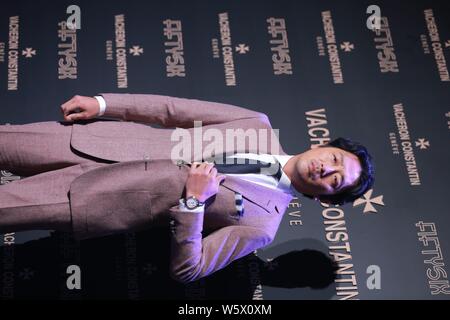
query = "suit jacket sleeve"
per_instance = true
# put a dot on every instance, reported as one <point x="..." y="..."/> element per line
<point x="170" y="111"/>
<point x="194" y="257"/>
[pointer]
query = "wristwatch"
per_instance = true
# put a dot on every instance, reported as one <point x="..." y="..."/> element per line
<point x="192" y="203"/>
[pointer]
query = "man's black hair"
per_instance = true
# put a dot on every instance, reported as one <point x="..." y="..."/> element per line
<point x="366" y="179"/>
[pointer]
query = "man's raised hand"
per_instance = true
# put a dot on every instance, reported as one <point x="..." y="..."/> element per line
<point x="80" y="108"/>
<point x="203" y="181"/>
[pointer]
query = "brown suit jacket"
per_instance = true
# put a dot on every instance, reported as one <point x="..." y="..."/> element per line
<point x="143" y="188"/>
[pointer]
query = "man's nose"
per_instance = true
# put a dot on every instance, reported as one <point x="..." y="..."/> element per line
<point x="326" y="169"/>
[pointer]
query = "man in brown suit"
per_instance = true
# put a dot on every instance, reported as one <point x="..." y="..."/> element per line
<point x="97" y="177"/>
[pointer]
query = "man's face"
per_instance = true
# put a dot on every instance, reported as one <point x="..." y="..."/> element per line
<point x="326" y="171"/>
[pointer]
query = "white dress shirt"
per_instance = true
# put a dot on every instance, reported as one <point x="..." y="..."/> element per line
<point x="284" y="184"/>
<point x="102" y="103"/>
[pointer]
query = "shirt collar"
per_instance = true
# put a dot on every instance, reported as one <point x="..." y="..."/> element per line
<point x="284" y="183"/>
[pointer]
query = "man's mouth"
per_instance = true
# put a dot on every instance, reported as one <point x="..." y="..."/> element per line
<point x="312" y="169"/>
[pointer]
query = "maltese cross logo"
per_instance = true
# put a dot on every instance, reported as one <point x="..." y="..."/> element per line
<point x="149" y="269"/>
<point x="422" y="143"/>
<point x="29" y="52"/>
<point x="26" y="274"/>
<point x="368" y="202"/>
<point x="136" y="50"/>
<point x="347" y="46"/>
<point x="242" y="49"/>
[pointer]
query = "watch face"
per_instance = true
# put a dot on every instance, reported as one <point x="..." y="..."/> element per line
<point x="191" y="203"/>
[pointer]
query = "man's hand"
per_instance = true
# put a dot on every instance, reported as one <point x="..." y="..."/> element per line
<point x="80" y="108"/>
<point x="203" y="181"/>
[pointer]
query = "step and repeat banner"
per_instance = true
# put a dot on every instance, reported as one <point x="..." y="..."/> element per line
<point x="376" y="72"/>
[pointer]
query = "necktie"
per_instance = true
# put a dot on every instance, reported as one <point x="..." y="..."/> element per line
<point x="225" y="164"/>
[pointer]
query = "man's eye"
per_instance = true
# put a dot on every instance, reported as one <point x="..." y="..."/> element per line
<point x="335" y="182"/>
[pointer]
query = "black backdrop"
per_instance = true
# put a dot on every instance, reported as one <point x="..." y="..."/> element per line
<point x="318" y="71"/>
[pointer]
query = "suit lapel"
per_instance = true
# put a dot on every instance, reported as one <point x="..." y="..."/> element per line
<point x="264" y="197"/>
<point x="267" y="198"/>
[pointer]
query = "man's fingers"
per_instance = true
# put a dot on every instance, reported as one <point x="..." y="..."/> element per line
<point x="77" y="116"/>
<point x="213" y="172"/>
<point x="208" y="167"/>
<point x="65" y="106"/>
<point x="196" y="164"/>
<point x="202" y="166"/>
<point x="70" y="106"/>
<point x="220" y="178"/>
